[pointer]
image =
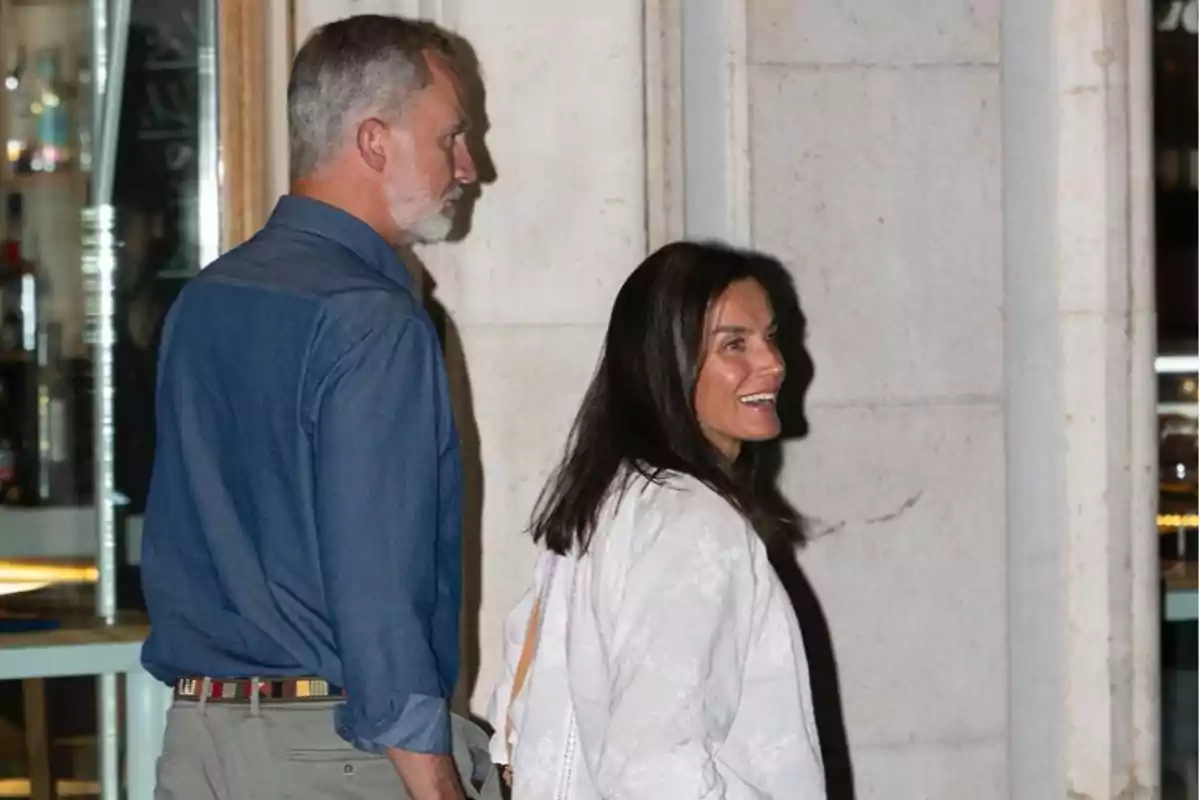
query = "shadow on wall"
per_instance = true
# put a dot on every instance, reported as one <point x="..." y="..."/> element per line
<point x="474" y="101"/>
<point x="823" y="670"/>
<point x="463" y="403"/>
<point x="462" y="399"/>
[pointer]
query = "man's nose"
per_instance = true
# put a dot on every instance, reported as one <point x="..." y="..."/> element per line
<point x="464" y="165"/>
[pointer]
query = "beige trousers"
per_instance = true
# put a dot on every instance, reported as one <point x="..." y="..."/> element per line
<point x="269" y="751"/>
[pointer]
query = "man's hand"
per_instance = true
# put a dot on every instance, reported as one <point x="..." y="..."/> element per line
<point x="427" y="777"/>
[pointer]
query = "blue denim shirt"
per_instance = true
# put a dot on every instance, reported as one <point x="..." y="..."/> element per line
<point x="305" y="505"/>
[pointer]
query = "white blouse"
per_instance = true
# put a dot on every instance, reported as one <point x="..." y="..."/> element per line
<point x="668" y="663"/>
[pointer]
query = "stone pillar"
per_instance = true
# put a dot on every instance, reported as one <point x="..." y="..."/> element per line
<point x="963" y="196"/>
<point x="876" y="160"/>
<point x="1081" y="444"/>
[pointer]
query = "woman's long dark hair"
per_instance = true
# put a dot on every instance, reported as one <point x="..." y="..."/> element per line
<point x="639" y="412"/>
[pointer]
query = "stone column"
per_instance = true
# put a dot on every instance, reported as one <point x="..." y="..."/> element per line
<point x="1081" y="444"/>
<point x="963" y="196"/>
<point x="876" y="175"/>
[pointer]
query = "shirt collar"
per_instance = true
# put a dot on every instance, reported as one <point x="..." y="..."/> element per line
<point x="321" y="219"/>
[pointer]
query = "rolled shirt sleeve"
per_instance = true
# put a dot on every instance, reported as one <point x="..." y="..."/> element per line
<point x="387" y="519"/>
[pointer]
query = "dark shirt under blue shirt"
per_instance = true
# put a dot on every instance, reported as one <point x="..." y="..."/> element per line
<point x="304" y="509"/>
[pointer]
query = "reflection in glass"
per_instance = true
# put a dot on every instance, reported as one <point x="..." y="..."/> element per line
<point x="1175" y="203"/>
<point x="163" y="182"/>
<point x="163" y="196"/>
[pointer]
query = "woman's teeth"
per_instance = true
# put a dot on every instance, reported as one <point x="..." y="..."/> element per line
<point x="763" y="398"/>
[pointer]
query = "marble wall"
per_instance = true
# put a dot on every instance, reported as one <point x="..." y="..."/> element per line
<point x="979" y="470"/>
<point x="981" y="461"/>
<point x="875" y="153"/>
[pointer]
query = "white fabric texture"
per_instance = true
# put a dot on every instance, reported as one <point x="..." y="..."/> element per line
<point x="668" y="663"/>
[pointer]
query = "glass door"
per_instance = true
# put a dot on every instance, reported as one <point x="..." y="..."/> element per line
<point x="1175" y="139"/>
<point x="109" y="201"/>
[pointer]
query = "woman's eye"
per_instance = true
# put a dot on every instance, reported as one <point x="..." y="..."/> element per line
<point x="735" y="344"/>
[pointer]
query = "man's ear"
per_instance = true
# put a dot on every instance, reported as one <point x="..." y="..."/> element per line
<point x="370" y="139"/>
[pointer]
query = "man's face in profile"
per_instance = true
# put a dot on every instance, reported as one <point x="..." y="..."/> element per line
<point x="428" y="161"/>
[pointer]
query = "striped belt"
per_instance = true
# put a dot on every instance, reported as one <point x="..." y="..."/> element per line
<point x="238" y="690"/>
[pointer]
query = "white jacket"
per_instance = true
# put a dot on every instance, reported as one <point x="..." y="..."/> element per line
<point x="668" y="663"/>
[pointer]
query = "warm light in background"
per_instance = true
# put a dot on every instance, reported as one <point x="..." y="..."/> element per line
<point x="28" y="576"/>
<point x="1173" y="521"/>
<point x="15" y="571"/>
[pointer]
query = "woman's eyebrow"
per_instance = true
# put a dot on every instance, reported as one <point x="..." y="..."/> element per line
<point x="743" y="328"/>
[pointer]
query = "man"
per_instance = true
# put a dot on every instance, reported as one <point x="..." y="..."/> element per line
<point x="301" y="552"/>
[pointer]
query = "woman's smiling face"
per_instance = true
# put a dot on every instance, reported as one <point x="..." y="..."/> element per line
<point x="741" y="370"/>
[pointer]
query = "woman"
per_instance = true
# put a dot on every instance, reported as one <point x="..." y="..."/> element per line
<point x="657" y="655"/>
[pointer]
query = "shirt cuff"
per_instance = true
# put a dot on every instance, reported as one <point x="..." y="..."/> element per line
<point x="423" y="727"/>
<point x="498" y="748"/>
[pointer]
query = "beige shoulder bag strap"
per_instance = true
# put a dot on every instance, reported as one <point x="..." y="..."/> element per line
<point x="522" y="668"/>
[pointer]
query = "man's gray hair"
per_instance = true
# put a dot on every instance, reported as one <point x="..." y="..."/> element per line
<point x="362" y="65"/>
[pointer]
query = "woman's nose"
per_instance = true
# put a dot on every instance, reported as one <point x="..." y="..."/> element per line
<point x="772" y="359"/>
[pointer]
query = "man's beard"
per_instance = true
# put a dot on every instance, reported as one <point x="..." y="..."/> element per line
<point x="433" y="226"/>
<point x="436" y="227"/>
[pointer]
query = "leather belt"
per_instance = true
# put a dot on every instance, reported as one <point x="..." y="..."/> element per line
<point x="238" y="690"/>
